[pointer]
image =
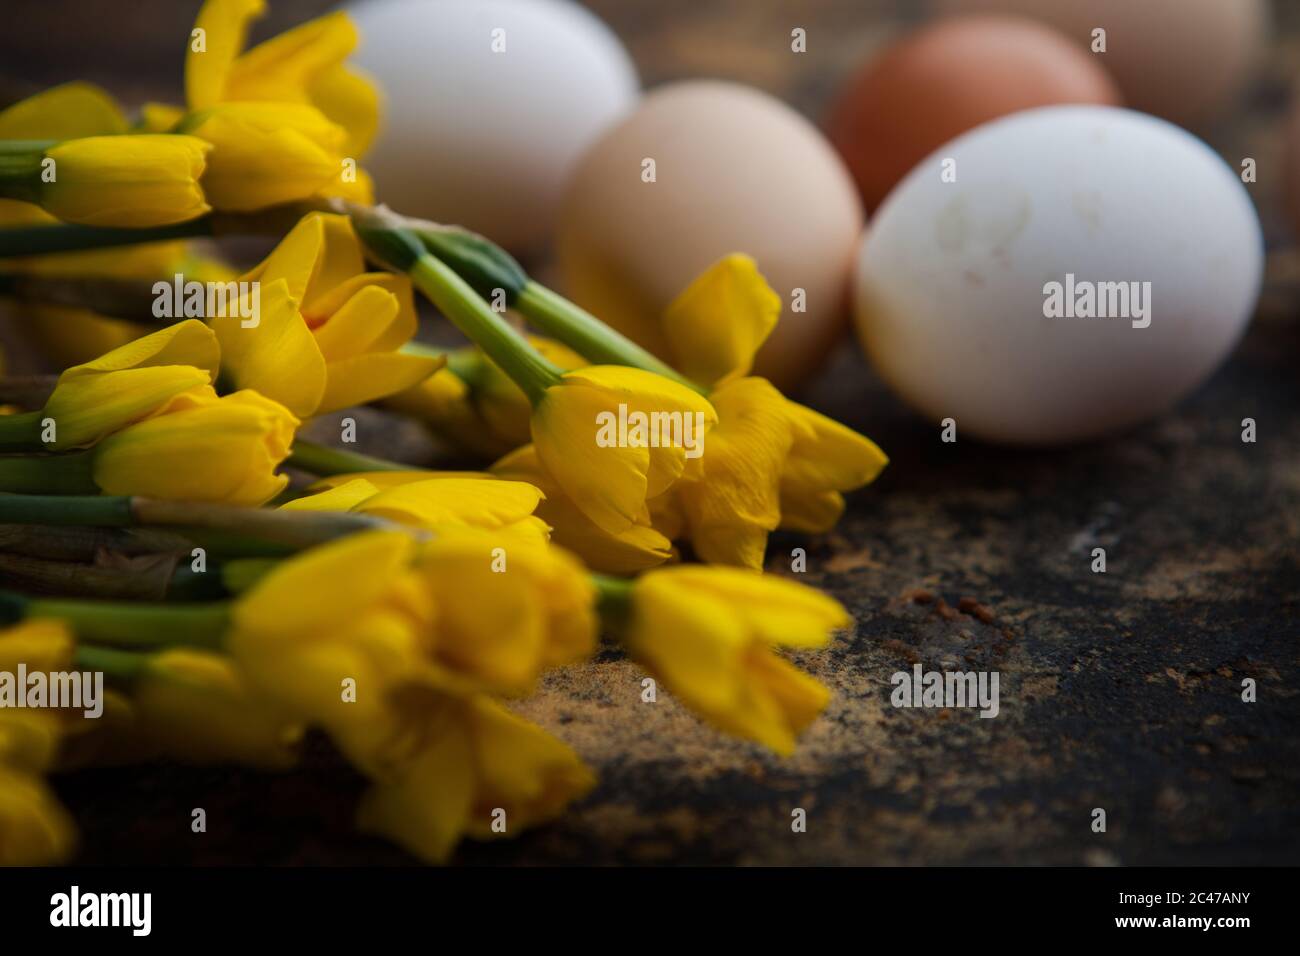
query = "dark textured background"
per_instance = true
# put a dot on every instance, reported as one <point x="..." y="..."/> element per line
<point x="1119" y="690"/>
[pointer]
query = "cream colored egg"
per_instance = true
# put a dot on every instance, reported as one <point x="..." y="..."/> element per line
<point x="1185" y="60"/>
<point x="699" y="170"/>
<point x="1059" y="274"/>
<point x="488" y="104"/>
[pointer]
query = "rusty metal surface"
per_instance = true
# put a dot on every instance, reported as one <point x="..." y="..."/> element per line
<point x="1119" y="690"/>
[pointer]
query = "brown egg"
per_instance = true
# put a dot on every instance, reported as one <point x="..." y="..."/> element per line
<point x="1185" y="60"/>
<point x="733" y="170"/>
<point x="947" y="78"/>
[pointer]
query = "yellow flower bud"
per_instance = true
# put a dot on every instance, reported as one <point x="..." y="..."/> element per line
<point x="195" y="706"/>
<point x="708" y="633"/>
<point x="131" y="382"/>
<point x="264" y="154"/>
<point x="201" y="448"/>
<point x="136" y="181"/>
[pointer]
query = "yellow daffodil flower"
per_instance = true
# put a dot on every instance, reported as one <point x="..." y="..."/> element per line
<point x="39" y="736"/>
<point x="101" y="176"/>
<point x="288" y="118"/>
<point x="131" y="382"/>
<point x="303" y="65"/>
<point x="69" y="111"/>
<point x="329" y="331"/>
<point x="474" y="404"/>
<point x="469" y="611"/>
<point x="507" y="609"/>
<point x="133" y="181"/>
<point x="734" y="501"/>
<point x="771" y="463"/>
<point x="607" y="475"/>
<point x="330" y="634"/>
<point x="199" y="447"/>
<point x="470" y="759"/>
<point x="35" y="830"/>
<point x="439" y="503"/>
<point x="42" y="644"/>
<point x="383" y="654"/>
<point x="825" y="460"/>
<point x="264" y="154"/>
<point x="195" y="706"/>
<point x="635" y="548"/>
<point x="709" y="632"/>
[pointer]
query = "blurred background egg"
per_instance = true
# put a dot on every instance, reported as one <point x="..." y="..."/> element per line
<point x="488" y="104"/>
<point x="952" y="277"/>
<point x="1185" y="60"/>
<point x="947" y="78"/>
<point x="734" y="170"/>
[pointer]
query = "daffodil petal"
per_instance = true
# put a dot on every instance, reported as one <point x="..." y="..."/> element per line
<point x="343" y="497"/>
<point x="718" y="323"/>
<point x="69" y="111"/>
<point x="316" y="590"/>
<point x="365" y="378"/>
<point x="350" y="99"/>
<point x="218" y="37"/>
<point x="355" y="327"/>
<point x="278" y="357"/>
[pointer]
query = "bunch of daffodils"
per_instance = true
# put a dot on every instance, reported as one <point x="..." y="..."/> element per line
<point x="222" y="586"/>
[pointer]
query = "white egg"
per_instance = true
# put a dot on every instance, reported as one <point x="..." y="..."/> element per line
<point x="488" y="104"/>
<point x="972" y="295"/>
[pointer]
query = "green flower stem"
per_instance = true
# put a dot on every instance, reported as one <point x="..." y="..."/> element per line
<point x="325" y="461"/>
<point x="454" y="297"/>
<point x="65" y="474"/>
<point x="556" y="316"/>
<point x="225" y="545"/>
<point x="465" y="363"/>
<point x="138" y="625"/>
<point x="289" y="530"/>
<point x="296" y="530"/>
<point x="613" y="601"/>
<point x="120" y="666"/>
<point x="20" y="168"/>
<point x="99" y="511"/>
<point x="67" y="237"/>
<point x="21" y="431"/>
